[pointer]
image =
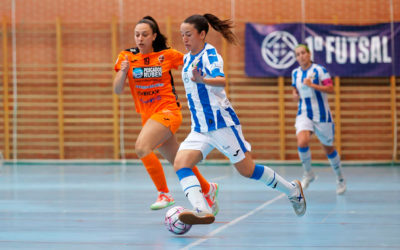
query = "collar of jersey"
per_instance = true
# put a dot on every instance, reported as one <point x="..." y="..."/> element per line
<point x="306" y="68"/>
<point x="193" y="56"/>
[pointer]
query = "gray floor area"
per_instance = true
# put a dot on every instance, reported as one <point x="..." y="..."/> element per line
<point x="107" y="207"/>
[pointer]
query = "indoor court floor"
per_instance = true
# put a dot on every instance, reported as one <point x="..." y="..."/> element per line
<point x="106" y="206"/>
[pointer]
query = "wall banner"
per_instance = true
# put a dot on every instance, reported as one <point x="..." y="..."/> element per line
<point x="345" y="50"/>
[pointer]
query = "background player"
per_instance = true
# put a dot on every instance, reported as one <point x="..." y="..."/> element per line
<point x="214" y="122"/>
<point x="148" y="69"/>
<point x="311" y="84"/>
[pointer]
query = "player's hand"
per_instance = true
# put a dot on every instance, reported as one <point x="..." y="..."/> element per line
<point x="307" y="81"/>
<point x="295" y="94"/>
<point x="125" y="64"/>
<point x="198" y="75"/>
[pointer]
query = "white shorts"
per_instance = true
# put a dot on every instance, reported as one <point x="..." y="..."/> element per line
<point x="229" y="141"/>
<point x="325" y="131"/>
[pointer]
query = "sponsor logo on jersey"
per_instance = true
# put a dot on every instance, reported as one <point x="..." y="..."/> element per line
<point x="147" y="93"/>
<point x="147" y="72"/>
<point x="161" y="58"/>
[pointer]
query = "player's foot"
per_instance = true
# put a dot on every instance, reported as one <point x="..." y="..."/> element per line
<point x="164" y="200"/>
<point x="193" y="217"/>
<point x="298" y="200"/>
<point x="211" y="198"/>
<point x="308" y="177"/>
<point x="341" y="186"/>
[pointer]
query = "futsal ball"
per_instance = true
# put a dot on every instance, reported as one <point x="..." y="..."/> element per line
<point x="173" y="223"/>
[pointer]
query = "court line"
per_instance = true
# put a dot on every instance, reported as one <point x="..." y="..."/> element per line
<point x="233" y="222"/>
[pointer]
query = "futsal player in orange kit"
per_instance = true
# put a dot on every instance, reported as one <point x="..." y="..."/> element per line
<point x="148" y="69"/>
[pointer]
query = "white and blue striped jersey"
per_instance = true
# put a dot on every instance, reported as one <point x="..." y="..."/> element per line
<point x="312" y="102"/>
<point x="209" y="106"/>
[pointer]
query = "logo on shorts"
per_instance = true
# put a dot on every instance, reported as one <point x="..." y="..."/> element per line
<point x="237" y="152"/>
<point x="277" y="49"/>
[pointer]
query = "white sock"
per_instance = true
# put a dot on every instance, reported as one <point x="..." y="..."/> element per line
<point x="273" y="180"/>
<point x="305" y="158"/>
<point x="192" y="189"/>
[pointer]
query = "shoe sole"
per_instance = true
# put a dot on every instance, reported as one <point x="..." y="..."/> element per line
<point x="188" y="217"/>
<point x="161" y="207"/>
<point x="304" y="198"/>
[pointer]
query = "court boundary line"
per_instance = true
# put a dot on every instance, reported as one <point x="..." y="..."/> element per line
<point x="233" y="222"/>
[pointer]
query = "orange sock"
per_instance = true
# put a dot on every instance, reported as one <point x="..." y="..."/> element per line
<point x="156" y="172"/>
<point x="205" y="186"/>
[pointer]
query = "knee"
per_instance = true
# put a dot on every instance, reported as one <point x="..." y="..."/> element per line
<point x="301" y="143"/>
<point x="245" y="168"/>
<point x="178" y="163"/>
<point x="141" y="149"/>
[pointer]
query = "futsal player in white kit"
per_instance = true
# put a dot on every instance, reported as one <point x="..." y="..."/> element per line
<point x="311" y="84"/>
<point x="214" y="122"/>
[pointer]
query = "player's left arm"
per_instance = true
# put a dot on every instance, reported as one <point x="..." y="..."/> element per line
<point x="324" y="84"/>
<point x="214" y="70"/>
<point x="200" y="77"/>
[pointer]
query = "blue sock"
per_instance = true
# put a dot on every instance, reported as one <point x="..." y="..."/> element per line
<point x="272" y="179"/>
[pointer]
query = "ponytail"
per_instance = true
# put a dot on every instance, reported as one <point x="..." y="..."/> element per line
<point x="160" y="43"/>
<point x="222" y="26"/>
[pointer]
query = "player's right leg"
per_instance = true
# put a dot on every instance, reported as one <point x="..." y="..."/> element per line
<point x="191" y="151"/>
<point x="210" y="190"/>
<point x="304" y="128"/>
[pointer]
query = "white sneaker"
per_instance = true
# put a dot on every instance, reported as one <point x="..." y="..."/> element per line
<point x="211" y="198"/>
<point x="193" y="217"/>
<point x="341" y="186"/>
<point x="298" y="201"/>
<point x="308" y="177"/>
<point x="163" y="200"/>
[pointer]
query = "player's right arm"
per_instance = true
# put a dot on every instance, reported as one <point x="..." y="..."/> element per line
<point x="295" y="93"/>
<point x="120" y="77"/>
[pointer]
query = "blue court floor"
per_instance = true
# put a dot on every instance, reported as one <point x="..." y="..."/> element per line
<point x="89" y="206"/>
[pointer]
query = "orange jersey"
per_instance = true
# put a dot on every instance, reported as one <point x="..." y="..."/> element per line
<point x="150" y="79"/>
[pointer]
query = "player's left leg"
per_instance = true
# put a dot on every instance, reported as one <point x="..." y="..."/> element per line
<point x="325" y="134"/>
<point x="231" y="142"/>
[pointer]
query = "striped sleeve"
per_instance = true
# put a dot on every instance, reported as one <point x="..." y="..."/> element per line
<point x="294" y="74"/>
<point x="215" y="64"/>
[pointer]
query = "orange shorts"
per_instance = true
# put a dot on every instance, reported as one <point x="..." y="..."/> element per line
<point x="171" y="119"/>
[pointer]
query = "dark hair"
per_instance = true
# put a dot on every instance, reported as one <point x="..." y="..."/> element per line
<point x="224" y="27"/>
<point x="160" y="43"/>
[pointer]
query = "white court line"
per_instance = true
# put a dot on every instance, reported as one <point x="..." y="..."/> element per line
<point x="216" y="231"/>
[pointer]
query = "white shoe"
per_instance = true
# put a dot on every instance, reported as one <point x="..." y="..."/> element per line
<point x="193" y="217"/>
<point x="163" y="200"/>
<point x="298" y="201"/>
<point x="308" y="177"/>
<point x="341" y="186"/>
<point x="211" y="198"/>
